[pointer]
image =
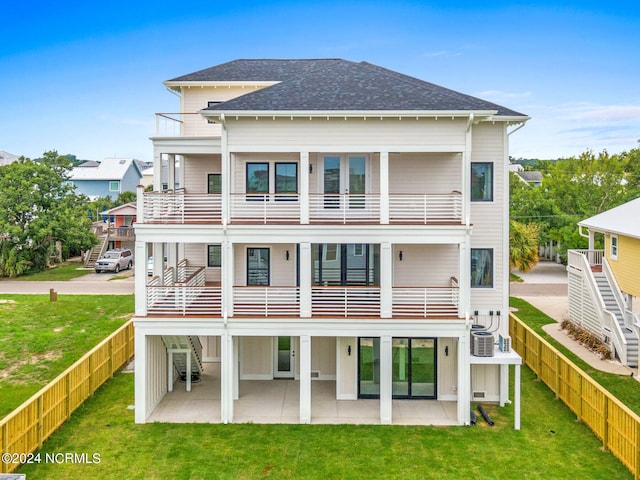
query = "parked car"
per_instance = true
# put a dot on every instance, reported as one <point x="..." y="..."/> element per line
<point x="115" y="260"/>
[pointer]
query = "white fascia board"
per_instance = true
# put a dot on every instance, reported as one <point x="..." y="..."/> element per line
<point x="509" y="119"/>
<point x="179" y="85"/>
<point x="229" y="114"/>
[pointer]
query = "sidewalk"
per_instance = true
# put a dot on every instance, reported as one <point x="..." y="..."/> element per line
<point x="545" y="287"/>
<point x="90" y="284"/>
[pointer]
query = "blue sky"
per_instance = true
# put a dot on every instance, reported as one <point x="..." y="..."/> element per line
<point x="86" y="77"/>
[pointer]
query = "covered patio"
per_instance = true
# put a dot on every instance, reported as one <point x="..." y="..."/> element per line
<point x="278" y="401"/>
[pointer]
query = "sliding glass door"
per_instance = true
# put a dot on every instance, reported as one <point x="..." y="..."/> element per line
<point x="413" y="368"/>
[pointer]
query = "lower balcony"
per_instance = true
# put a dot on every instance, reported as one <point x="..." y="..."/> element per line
<point x="192" y="296"/>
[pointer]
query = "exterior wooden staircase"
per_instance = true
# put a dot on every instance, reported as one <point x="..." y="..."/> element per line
<point x="180" y="344"/>
<point x="96" y="252"/>
<point x="611" y="304"/>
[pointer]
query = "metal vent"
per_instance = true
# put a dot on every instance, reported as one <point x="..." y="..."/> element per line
<point x="482" y="344"/>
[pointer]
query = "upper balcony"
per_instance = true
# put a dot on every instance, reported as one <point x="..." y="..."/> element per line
<point x="190" y="124"/>
<point x="180" y="207"/>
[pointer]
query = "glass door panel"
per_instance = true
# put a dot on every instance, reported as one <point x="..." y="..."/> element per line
<point x="357" y="181"/>
<point x="332" y="176"/>
<point x="400" y="367"/>
<point x="423" y="367"/>
<point x="284" y="360"/>
<point x="257" y="266"/>
<point x="369" y="367"/>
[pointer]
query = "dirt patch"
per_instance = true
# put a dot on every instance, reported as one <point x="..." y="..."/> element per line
<point x="12" y="369"/>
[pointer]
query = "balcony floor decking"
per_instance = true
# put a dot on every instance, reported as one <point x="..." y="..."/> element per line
<point x="278" y="401"/>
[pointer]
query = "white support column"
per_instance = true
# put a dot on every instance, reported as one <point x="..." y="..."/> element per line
<point x="158" y="259"/>
<point x="464" y="380"/>
<point x="386" y="280"/>
<point x="171" y="172"/>
<point x="304" y="188"/>
<point x="140" y="372"/>
<point x="225" y="170"/>
<point x="516" y="395"/>
<point x="187" y="354"/>
<point x="157" y="174"/>
<point x="170" y="371"/>
<point x="504" y="384"/>
<point x="386" y="383"/>
<point x="464" y="277"/>
<point x="236" y="368"/>
<point x="305" y="280"/>
<point x="227" y="278"/>
<point x="140" y="279"/>
<point x="304" y="351"/>
<point x="226" y="378"/>
<point x="384" y="188"/>
<point x="181" y="171"/>
<point x="172" y="256"/>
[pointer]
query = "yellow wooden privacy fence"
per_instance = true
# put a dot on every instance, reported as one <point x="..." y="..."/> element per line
<point x="27" y="427"/>
<point x="612" y="421"/>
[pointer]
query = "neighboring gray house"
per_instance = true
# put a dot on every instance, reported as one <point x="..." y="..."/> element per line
<point x="111" y="177"/>
<point x="533" y="178"/>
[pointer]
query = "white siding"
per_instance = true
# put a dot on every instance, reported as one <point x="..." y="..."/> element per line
<point x="447" y="368"/>
<point x="424" y="265"/>
<point x="346" y="377"/>
<point x="156" y="377"/>
<point x="488" y="218"/>
<point x="424" y="173"/>
<point x="210" y="349"/>
<point x="333" y="133"/>
<point x="323" y="356"/>
<point x="196" y="254"/>
<point x="256" y="358"/>
<point x="196" y="168"/>
<point x="282" y="271"/>
<point x="582" y="307"/>
<point x="485" y="378"/>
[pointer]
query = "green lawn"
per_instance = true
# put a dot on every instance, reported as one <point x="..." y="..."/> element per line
<point x="63" y="271"/>
<point x="39" y="339"/>
<point x="551" y="445"/>
<point x="626" y="389"/>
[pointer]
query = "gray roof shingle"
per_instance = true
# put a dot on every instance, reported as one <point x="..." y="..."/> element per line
<point x="335" y="85"/>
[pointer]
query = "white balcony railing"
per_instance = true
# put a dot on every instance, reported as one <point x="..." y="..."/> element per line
<point x="425" y="302"/>
<point x="266" y="301"/>
<point x="335" y="208"/>
<point x="593" y="257"/>
<point x="190" y="124"/>
<point x="180" y="207"/>
<point x="425" y="208"/>
<point x="345" y="301"/>
<point x="265" y="208"/>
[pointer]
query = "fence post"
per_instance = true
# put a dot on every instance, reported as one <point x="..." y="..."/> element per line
<point x="539" y="355"/>
<point x="605" y="430"/>
<point x="111" y="357"/>
<point x="68" y="389"/>
<point x="557" y="362"/>
<point x="91" y="379"/>
<point x="637" y="450"/>
<point x="40" y="419"/>
<point x="4" y="467"/>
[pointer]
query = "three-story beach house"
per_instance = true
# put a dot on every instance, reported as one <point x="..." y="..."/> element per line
<point x="337" y="251"/>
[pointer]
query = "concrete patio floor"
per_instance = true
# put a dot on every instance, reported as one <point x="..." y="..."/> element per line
<point x="278" y="401"/>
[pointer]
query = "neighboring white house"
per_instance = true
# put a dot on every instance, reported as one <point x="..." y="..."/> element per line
<point x="604" y="286"/>
<point x="339" y="224"/>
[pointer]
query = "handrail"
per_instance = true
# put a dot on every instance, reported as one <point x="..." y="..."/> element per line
<point x="608" y="318"/>
<point x="615" y="289"/>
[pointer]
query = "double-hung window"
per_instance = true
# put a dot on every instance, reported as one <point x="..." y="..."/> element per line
<point x="214" y="256"/>
<point x="482" y="182"/>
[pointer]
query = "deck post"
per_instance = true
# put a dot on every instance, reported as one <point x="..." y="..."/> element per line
<point x="305" y="378"/>
<point x="386" y="383"/>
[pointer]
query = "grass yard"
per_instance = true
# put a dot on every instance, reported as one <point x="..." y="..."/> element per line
<point x="39" y="339"/>
<point x="63" y="271"/>
<point x="551" y="444"/>
<point x="626" y="389"/>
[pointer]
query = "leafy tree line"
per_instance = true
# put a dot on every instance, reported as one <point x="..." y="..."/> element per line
<point x="41" y="216"/>
<point x="572" y="189"/>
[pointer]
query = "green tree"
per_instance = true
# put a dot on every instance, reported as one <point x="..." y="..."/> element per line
<point x="523" y="245"/>
<point x="39" y="208"/>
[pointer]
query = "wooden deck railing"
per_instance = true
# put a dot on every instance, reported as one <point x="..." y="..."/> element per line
<point x="26" y="428"/>
<point x="610" y="420"/>
<point x="181" y="207"/>
<point x="266" y="301"/>
<point x="425" y="302"/>
<point x="345" y="301"/>
<point x="425" y="208"/>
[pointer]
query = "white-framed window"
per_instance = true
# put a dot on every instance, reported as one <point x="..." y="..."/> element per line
<point x="114" y="186"/>
<point x="614" y="247"/>
<point x="481" y="267"/>
<point x="482" y="182"/>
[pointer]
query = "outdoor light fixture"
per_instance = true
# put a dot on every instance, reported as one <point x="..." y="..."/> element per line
<point x="349" y="350"/>
<point x="446" y="351"/>
<point x="400" y="255"/>
<point x="310" y="168"/>
<point x="286" y="255"/>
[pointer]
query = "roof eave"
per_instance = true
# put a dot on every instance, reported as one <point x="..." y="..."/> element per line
<point x="477" y="114"/>
<point x="179" y="85"/>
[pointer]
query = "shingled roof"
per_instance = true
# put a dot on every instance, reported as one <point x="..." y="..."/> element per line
<point x="334" y="85"/>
